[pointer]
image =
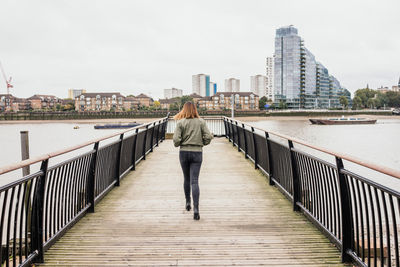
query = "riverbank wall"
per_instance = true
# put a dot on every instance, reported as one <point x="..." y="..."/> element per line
<point x="15" y="116"/>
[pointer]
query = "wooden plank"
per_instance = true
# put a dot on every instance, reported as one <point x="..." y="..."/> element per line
<point x="244" y="221"/>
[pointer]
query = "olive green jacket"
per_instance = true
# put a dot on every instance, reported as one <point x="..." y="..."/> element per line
<point x="191" y="134"/>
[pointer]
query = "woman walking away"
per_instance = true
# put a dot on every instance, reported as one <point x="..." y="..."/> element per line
<point x="191" y="134"/>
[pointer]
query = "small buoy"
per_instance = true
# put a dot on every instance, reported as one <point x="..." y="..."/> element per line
<point x="76" y="127"/>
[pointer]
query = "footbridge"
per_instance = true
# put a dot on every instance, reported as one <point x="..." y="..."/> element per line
<point x="266" y="199"/>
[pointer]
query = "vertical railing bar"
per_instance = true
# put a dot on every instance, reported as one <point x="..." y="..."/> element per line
<point x="346" y="211"/>
<point x="78" y="186"/>
<point x="355" y="215"/>
<point x="91" y="180"/>
<point x="382" y="258"/>
<point x="325" y="192"/>
<point x="367" y="223"/>
<point x="384" y="202"/>
<point x="395" y="234"/>
<point x="317" y="191"/>
<point x="118" y="165"/>
<point x="22" y="222"/>
<point x="336" y="199"/>
<point x="303" y="181"/>
<point x="3" y="211"/>
<point x="373" y="222"/>
<point x="245" y="142"/>
<point x="255" y="149"/>
<point x="238" y="136"/>
<point x="361" y="220"/>
<point x="85" y="175"/>
<point x="269" y="153"/>
<point x="295" y="178"/>
<point x="54" y="178"/>
<point x="17" y="204"/>
<point x="151" y="138"/>
<point x="37" y="211"/>
<point x="144" y="143"/>
<point x="157" y="132"/>
<point x="9" y="226"/>
<point x="134" y="150"/>
<point x="60" y="198"/>
<point x="54" y="199"/>
<point x="233" y="134"/>
<point x="66" y="193"/>
<point x="311" y="187"/>
<point x="320" y="179"/>
<point x="71" y="191"/>
<point x="28" y="213"/>
<point x="330" y="196"/>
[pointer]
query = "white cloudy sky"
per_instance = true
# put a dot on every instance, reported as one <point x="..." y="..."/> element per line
<point x="48" y="46"/>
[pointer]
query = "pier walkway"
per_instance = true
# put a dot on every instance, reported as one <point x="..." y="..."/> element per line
<point x="244" y="221"/>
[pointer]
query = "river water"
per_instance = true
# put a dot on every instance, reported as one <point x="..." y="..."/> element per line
<point x="378" y="143"/>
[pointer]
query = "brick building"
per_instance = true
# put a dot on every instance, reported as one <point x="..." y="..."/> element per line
<point x="144" y="100"/>
<point x="99" y="102"/>
<point x="44" y="101"/>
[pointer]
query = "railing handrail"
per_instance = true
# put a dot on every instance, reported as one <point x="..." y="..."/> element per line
<point x="365" y="163"/>
<point x="27" y="162"/>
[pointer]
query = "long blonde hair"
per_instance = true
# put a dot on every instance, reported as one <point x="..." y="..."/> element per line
<point x="189" y="111"/>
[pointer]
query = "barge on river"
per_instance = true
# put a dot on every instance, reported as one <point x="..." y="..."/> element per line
<point x="342" y="121"/>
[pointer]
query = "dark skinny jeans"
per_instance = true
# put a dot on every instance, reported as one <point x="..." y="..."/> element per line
<point x="191" y="163"/>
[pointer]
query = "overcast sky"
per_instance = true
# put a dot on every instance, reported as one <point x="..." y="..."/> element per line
<point x="49" y="46"/>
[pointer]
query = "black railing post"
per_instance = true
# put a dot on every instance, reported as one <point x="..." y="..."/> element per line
<point x="37" y="213"/>
<point x="255" y="149"/>
<point x="238" y="136"/>
<point x="269" y="153"/>
<point x="158" y="132"/>
<point x="233" y="134"/>
<point x="118" y="169"/>
<point x="226" y="129"/>
<point x="295" y="178"/>
<point x="144" y="142"/>
<point x="163" y="127"/>
<point x="245" y="141"/>
<point x="152" y="136"/>
<point x="134" y="150"/>
<point x="347" y="228"/>
<point x="91" y="181"/>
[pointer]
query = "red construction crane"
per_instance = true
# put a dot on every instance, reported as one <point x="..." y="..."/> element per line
<point x="8" y="82"/>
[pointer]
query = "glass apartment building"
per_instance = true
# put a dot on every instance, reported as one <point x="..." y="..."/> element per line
<point x="287" y="66"/>
<point x="299" y="80"/>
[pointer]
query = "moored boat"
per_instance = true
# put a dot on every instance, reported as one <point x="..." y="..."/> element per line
<point x="342" y="121"/>
<point x="116" y="125"/>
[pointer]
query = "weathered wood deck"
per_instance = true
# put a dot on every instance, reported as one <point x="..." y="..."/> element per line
<point x="244" y="221"/>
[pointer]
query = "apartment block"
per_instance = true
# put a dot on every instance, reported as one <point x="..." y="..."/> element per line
<point x="232" y="85"/>
<point x="269" y="70"/>
<point x="223" y="101"/>
<point x="258" y="85"/>
<point x="73" y="93"/>
<point x="173" y="92"/>
<point x="99" y="102"/>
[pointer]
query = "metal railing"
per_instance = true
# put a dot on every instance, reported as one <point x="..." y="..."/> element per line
<point x="215" y="125"/>
<point x="360" y="216"/>
<point x="36" y="210"/>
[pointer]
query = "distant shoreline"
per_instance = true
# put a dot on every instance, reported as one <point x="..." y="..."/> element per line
<point x="144" y="120"/>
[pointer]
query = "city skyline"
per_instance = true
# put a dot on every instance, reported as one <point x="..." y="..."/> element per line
<point x="142" y="47"/>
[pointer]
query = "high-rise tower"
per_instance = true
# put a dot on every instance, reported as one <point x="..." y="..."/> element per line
<point x="270" y="78"/>
<point x="300" y="81"/>
<point x="201" y="84"/>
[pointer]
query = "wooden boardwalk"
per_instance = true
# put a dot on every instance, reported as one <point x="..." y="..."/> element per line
<point x="244" y="221"/>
